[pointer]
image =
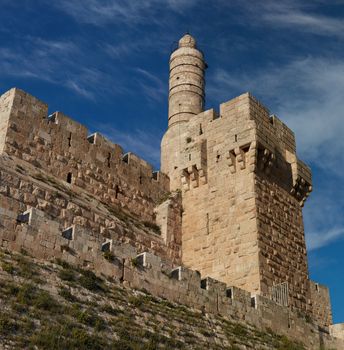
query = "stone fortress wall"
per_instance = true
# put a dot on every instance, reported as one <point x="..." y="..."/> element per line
<point x="243" y="187"/>
<point x="64" y="148"/>
<point x="59" y="152"/>
<point x="229" y="206"/>
<point x="35" y="233"/>
<point x="247" y="229"/>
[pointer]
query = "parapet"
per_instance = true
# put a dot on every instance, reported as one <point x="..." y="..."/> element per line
<point x="63" y="147"/>
<point x="252" y="138"/>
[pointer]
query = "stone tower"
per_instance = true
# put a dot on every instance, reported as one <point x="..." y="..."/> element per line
<point x="186" y="99"/>
<point x="242" y="185"/>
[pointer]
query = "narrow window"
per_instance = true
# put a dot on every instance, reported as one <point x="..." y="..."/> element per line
<point x="125" y="158"/>
<point x="69" y="178"/>
<point x="236" y="138"/>
<point x="229" y="293"/>
<point x="189" y="156"/>
<point x="140" y="179"/>
<point x="70" y="139"/>
<point x="116" y="191"/>
<point x="108" y="159"/>
<point x="204" y="283"/>
<point x="207" y="224"/>
<point x="200" y="129"/>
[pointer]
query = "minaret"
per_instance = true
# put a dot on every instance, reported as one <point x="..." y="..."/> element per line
<point x="186" y="99"/>
<point x="186" y="93"/>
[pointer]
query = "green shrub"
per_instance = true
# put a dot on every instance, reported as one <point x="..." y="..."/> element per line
<point x="135" y="301"/>
<point x="110" y="310"/>
<point x="67" y="275"/>
<point x="44" y="301"/>
<point x="58" y="337"/>
<point x="7" y="267"/>
<point x="29" y="295"/>
<point x="89" y="318"/>
<point x="66" y="294"/>
<point x="7" y="324"/>
<point x="90" y="281"/>
<point x="109" y="256"/>
<point x="63" y="263"/>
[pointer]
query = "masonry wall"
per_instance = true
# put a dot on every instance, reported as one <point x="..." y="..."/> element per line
<point x="281" y="240"/>
<point x="62" y="146"/>
<point x="320" y="297"/>
<point x="5" y="109"/>
<point x="69" y="206"/>
<point x="243" y="191"/>
<point x="44" y="238"/>
<point x="219" y="219"/>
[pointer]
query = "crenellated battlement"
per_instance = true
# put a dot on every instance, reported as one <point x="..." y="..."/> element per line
<point x="64" y="148"/>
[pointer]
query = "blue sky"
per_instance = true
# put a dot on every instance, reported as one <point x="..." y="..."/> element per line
<point x="105" y="63"/>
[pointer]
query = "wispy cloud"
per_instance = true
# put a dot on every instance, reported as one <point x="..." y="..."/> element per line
<point x="316" y="240"/>
<point x="307" y="94"/>
<point x="295" y="15"/>
<point x="129" y="12"/>
<point x="56" y="62"/>
<point x="152" y="86"/>
<point x="144" y="144"/>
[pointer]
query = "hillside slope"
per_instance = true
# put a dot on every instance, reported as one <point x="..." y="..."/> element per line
<point x="53" y="305"/>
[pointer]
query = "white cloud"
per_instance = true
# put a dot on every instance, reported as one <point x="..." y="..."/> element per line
<point x="101" y="12"/>
<point x="308" y="95"/>
<point x="316" y="240"/>
<point x="144" y="144"/>
<point x="56" y="62"/>
<point x="294" y="14"/>
<point x="152" y="86"/>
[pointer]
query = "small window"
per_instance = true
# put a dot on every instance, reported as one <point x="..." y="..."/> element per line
<point x="235" y="138"/>
<point x="23" y="218"/>
<point x="229" y="293"/>
<point x="189" y="156"/>
<point x="204" y="283"/>
<point x="91" y="138"/>
<point x="176" y="274"/>
<point x="68" y="233"/>
<point x="125" y="158"/>
<point x="69" y="178"/>
<point x="106" y="247"/>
